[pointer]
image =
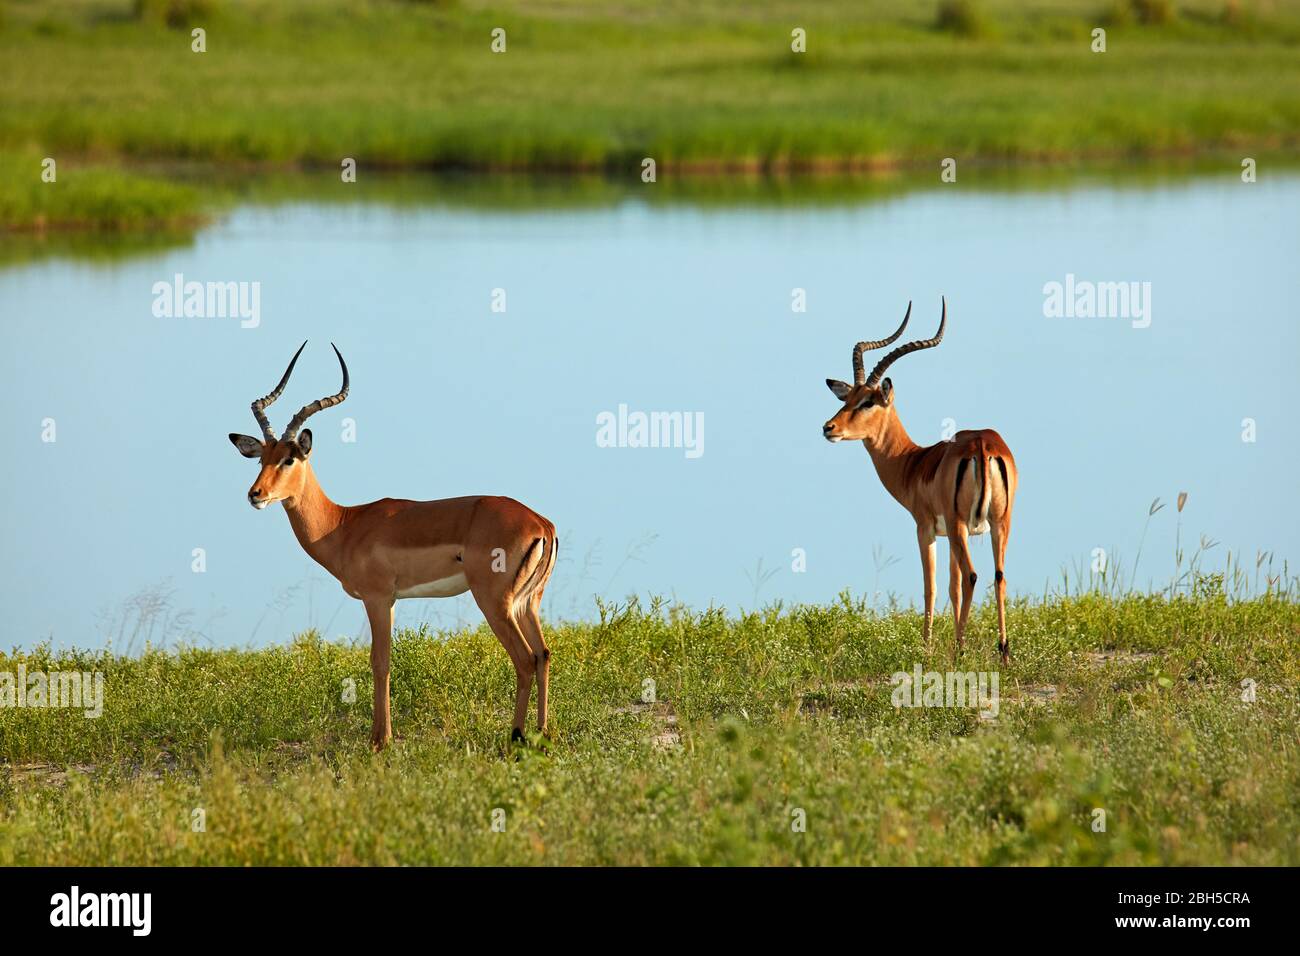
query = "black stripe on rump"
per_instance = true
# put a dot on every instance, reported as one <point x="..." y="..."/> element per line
<point x="520" y="582"/>
<point x="956" y="492"/>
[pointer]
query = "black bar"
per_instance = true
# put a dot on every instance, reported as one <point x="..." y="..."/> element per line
<point x="333" y="906"/>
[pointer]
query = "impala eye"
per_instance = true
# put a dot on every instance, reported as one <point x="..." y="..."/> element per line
<point x="866" y="404"/>
<point x="286" y="463"/>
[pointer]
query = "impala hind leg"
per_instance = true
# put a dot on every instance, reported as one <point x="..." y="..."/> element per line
<point x="380" y="613"/>
<point x="960" y="552"/>
<point x="1000" y="530"/>
<point x="502" y="598"/>
<point x="530" y="623"/>
<point x="528" y="614"/>
<point x="928" y="554"/>
<point x="498" y="610"/>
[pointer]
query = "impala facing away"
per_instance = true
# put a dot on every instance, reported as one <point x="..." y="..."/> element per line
<point x="958" y="487"/>
<point x="495" y="548"/>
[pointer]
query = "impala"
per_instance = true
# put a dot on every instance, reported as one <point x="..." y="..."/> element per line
<point x="956" y="488"/>
<point x="496" y="548"/>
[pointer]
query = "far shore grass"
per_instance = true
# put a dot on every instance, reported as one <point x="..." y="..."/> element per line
<point x="709" y="87"/>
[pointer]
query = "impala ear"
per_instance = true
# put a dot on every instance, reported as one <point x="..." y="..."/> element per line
<point x="248" y="446"/>
<point x="841" y="389"/>
<point x="887" y="391"/>
<point x="304" y="442"/>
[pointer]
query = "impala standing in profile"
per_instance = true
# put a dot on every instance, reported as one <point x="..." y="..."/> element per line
<point x="956" y="488"/>
<point x="496" y="548"/>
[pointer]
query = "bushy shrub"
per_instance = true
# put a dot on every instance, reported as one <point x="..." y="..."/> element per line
<point x="177" y="14"/>
<point x="1235" y="14"/>
<point x="1118" y="14"/>
<point x="963" y="18"/>
<point x="1153" y="12"/>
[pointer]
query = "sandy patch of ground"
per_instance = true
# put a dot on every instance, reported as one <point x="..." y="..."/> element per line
<point x="666" y="735"/>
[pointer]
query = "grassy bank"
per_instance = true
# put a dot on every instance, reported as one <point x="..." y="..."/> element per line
<point x="589" y="84"/>
<point x="155" y="208"/>
<point x="94" y="198"/>
<point x="1130" y="705"/>
<point x="110" y="89"/>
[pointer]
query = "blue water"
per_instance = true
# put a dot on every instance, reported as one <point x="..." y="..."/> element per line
<point x="660" y="308"/>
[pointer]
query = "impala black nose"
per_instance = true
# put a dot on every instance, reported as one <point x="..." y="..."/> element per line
<point x="255" y="494"/>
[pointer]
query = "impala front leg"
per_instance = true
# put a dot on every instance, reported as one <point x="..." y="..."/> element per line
<point x="380" y="613"/>
<point x="925" y="537"/>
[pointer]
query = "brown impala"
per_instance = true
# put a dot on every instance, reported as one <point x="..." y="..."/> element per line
<point x="495" y="548"/>
<point x="958" y="487"/>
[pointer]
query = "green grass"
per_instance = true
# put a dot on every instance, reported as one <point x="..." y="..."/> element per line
<point x="111" y="91"/>
<point x="593" y="84"/>
<point x="93" y="198"/>
<point x="772" y="713"/>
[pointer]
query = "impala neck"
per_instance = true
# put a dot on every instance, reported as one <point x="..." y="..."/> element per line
<point x="312" y="515"/>
<point x="891" y="448"/>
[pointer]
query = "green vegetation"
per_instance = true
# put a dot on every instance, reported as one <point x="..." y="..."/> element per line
<point x="111" y="89"/>
<point x="594" y="84"/>
<point x="92" y="198"/>
<point x="1132" y="705"/>
<point x="962" y="17"/>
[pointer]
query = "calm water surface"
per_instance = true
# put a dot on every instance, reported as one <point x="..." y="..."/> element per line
<point x="659" y="308"/>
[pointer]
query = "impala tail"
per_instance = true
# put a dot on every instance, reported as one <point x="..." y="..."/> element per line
<point x="536" y="567"/>
<point x="986" y="489"/>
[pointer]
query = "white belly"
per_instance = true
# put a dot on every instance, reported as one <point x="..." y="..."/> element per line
<point x="941" y="527"/>
<point x="444" y="587"/>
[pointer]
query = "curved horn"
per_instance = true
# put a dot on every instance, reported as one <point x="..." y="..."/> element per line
<point x="859" y="376"/>
<point x="307" y="411"/>
<point x="265" y="400"/>
<point x="902" y="350"/>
